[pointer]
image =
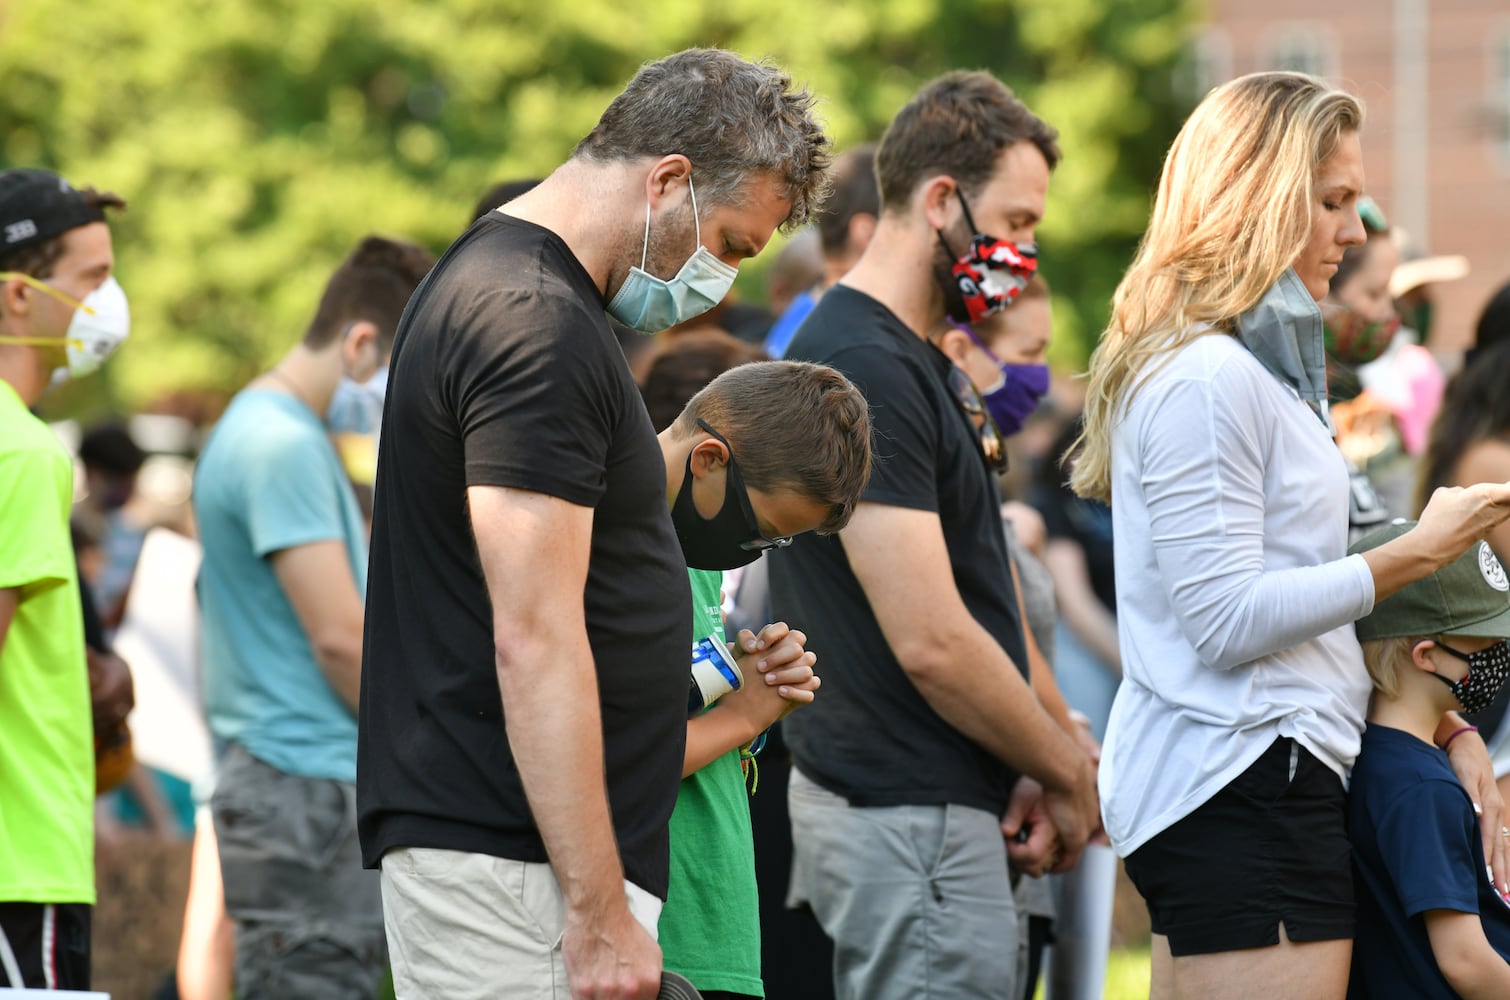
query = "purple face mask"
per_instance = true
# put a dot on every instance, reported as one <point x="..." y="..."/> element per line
<point x="1014" y="396"/>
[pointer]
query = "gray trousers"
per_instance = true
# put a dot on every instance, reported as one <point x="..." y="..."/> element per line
<point x="309" y="918"/>
<point x="917" y="899"/>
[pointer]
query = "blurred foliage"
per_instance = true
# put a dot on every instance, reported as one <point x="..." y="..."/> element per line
<point x="256" y="140"/>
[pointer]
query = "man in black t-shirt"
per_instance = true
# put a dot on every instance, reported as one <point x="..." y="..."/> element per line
<point x="525" y="683"/>
<point x="919" y="755"/>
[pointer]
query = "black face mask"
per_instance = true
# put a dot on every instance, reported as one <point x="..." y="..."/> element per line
<point x="1488" y="669"/>
<point x="730" y="538"/>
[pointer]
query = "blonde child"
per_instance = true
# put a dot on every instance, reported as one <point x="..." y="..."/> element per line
<point x="1430" y="922"/>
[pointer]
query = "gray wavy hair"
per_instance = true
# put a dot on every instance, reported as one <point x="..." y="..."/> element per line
<point x="730" y="117"/>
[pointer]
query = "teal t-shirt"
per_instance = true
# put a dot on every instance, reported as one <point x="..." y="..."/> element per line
<point x="269" y="480"/>
<point x="710" y="926"/>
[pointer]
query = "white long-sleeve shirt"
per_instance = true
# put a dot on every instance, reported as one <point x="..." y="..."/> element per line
<point x="1235" y="595"/>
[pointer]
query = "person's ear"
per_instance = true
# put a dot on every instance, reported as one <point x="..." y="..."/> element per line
<point x="1419" y="657"/>
<point x="956" y="344"/>
<point x="708" y="455"/>
<point x="940" y="206"/>
<point x="862" y="226"/>
<point x="14" y="298"/>
<point x="360" y="355"/>
<point x="668" y="174"/>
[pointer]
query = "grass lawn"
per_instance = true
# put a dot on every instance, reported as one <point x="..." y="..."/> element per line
<point x="1126" y="975"/>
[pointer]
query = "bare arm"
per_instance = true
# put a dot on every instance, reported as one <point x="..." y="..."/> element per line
<point x="534" y="552"/>
<point x="778" y="679"/>
<point x="1475" y="970"/>
<point x="1470" y="761"/>
<point x="318" y="582"/>
<point x="714" y="733"/>
<point x="1027" y="525"/>
<point x="1090" y="620"/>
<point x="901" y="561"/>
<point x="1039" y="854"/>
<point x="1454" y="518"/>
<point x="1040" y="674"/>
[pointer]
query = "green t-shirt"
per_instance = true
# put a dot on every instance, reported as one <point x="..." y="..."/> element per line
<point x="46" y="728"/>
<point x="710" y="927"/>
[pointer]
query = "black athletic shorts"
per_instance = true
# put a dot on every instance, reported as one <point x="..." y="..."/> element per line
<point x="1267" y="849"/>
<point x="49" y="942"/>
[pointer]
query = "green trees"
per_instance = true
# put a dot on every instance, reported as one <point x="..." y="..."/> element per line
<point x="256" y="140"/>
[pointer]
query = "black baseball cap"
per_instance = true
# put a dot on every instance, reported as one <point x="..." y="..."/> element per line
<point x="36" y="205"/>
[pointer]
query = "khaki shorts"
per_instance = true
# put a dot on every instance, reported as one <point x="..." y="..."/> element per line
<point x="465" y="926"/>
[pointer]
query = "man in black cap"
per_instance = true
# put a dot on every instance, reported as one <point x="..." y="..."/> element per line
<point x="60" y="309"/>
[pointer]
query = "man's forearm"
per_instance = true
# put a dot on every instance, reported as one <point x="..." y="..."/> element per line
<point x="555" y="734"/>
<point x="974" y="686"/>
<point x="342" y="666"/>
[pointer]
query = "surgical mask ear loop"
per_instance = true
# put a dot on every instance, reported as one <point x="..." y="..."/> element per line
<point x="645" y="244"/>
<point x="697" y="225"/>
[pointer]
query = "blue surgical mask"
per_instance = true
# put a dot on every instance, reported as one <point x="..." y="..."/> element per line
<point x="357" y="407"/>
<point x="650" y="304"/>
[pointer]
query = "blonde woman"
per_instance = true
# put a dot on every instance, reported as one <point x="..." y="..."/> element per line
<point x="1207" y="430"/>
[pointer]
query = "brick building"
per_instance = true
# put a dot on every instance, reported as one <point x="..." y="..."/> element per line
<point x="1434" y="76"/>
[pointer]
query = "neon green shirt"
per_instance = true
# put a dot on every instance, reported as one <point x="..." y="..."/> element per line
<point x="46" y="728"/>
<point x="710" y="926"/>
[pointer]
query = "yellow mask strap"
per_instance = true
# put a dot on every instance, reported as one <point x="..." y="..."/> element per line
<point x="46" y="289"/>
<point x="77" y="345"/>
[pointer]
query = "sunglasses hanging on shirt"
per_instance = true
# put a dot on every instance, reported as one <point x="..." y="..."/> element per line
<point x="992" y="445"/>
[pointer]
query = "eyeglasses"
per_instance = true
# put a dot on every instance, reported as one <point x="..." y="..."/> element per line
<point x="992" y="445"/>
<point x="760" y="542"/>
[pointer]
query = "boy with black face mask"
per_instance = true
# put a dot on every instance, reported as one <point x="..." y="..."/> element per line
<point x="1430" y="922"/>
<point x="766" y="451"/>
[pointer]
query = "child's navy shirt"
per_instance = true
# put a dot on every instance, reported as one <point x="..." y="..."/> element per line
<point x="1416" y="847"/>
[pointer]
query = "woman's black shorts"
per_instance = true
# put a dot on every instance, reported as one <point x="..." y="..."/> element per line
<point x="1269" y="848"/>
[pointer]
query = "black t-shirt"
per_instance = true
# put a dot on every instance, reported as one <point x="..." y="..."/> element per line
<point x="1087" y="523"/>
<point x="505" y="373"/>
<point x="870" y="736"/>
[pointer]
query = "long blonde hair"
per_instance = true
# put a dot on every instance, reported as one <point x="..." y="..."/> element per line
<point x="1233" y="211"/>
